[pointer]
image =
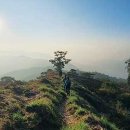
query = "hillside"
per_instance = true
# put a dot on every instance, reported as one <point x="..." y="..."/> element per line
<point x="13" y="63"/>
<point x="104" y="77"/>
<point x="43" y="104"/>
<point x="25" y="68"/>
<point x="26" y="74"/>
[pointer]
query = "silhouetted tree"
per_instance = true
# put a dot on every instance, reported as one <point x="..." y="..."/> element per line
<point x="128" y="69"/>
<point x="59" y="61"/>
<point x="7" y="80"/>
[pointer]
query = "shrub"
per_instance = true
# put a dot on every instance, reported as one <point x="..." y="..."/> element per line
<point x="19" y="120"/>
<point x="107" y="124"/>
<point x="6" y="125"/>
<point x="80" y="111"/>
<point x="45" y="88"/>
<point x="45" y="109"/>
<point x="33" y="120"/>
<point x="53" y="98"/>
<point x="125" y="98"/>
<point x="72" y="108"/>
<point x="2" y="91"/>
<point x="38" y="105"/>
<point x="73" y="99"/>
<point x="14" y="107"/>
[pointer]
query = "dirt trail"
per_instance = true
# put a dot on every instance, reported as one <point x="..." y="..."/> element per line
<point x="67" y="117"/>
<point x="70" y="120"/>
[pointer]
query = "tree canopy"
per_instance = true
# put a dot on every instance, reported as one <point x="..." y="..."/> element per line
<point x="59" y="61"/>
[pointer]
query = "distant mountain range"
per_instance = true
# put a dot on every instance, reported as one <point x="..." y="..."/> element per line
<point x="114" y="68"/>
<point x="32" y="73"/>
<point x="26" y="74"/>
<point x="13" y="63"/>
<point x="104" y="77"/>
<point x="25" y="68"/>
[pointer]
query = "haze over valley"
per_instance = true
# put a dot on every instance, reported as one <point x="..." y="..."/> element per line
<point x="64" y="64"/>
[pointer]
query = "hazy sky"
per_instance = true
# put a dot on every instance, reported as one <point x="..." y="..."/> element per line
<point x="93" y="31"/>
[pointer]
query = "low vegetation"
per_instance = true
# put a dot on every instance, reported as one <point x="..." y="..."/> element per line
<point x="43" y="105"/>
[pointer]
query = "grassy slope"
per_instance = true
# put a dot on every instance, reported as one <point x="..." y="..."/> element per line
<point x="37" y="105"/>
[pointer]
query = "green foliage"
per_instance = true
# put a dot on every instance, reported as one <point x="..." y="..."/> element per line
<point x="75" y="105"/>
<point x="19" y="121"/>
<point x="45" y="88"/>
<point x="121" y="110"/>
<point x="72" y="108"/>
<point x="111" y="86"/>
<point x="14" y="107"/>
<point x="73" y="99"/>
<point x="33" y="120"/>
<point x="80" y="111"/>
<point x="107" y="124"/>
<point x="107" y="93"/>
<point x="40" y="105"/>
<point x="41" y="110"/>
<point x="79" y="126"/>
<point x="20" y="90"/>
<point x="2" y="91"/>
<point x="45" y="109"/>
<point x="59" y="61"/>
<point x="7" y="80"/>
<point x="7" y="125"/>
<point x="56" y="94"/>
<point x="125" y="98"/>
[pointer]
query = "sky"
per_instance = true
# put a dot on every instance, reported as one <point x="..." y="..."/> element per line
<point x="96" y="33"/>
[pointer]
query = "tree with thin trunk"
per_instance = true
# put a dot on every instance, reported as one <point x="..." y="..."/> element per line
<point x="60" y="61"/>
<point x="128" y="69"/>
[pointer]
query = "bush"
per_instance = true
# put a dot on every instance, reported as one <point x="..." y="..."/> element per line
<point x="53" y="98"/>
<point x="125" y="98"/>
<point x="107" y="93"/>
<point x="80" y="111"/>
<point x="107" y="124"/>
<point x="72" y="108"/>
<point x="45" y="88"/>
<point x="45" y="108"/>
<point x="38" y="105"/>
<point x="73" y="99"/>
<point x="6" y="125"/>
<point x="19" y="121"/>
<point x="33" y="120"/>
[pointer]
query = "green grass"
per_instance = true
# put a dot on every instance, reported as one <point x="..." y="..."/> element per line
<point x="47" y="105"/>
<point x="2" y="91"/>
<point x="79" y="126"/>
<point x="80" y="111"/>
<point x="125" y="99"/>
<point x="19" y="121"/>
<point x="42" y="110"/>
<point x="108" y="124"/>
